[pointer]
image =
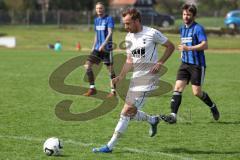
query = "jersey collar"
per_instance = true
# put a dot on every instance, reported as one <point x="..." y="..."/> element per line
<point x="192" y="24"/>
<point x="103" y="16"/>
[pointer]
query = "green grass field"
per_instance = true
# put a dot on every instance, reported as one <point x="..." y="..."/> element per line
<point x="28" y="103"/>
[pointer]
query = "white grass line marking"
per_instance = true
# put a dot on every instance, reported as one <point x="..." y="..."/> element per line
<point x="69" y="141"/>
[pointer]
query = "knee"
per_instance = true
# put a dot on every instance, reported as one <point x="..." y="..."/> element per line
<point x="88" y="66"/>
<point x="180" y="85"/>
<point x="197" y="93"/>
<point x="178" y="89"/>
<point x="129" y="111"/>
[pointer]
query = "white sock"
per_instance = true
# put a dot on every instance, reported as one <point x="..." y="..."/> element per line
<point x="113" y="140"/>
<point x="120" y="128"/>
<point x="174" y="114"/>
<point x="142" y="116"/>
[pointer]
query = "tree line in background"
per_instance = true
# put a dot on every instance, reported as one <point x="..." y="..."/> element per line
<point x="48" y="4"/>
<point x="207" y="7"/>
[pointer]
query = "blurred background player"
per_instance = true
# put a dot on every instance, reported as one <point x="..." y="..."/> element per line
<point x="102" y="48"/>
<point x="193" y="44"/>
<point x="56" y="47"/>
<point x="142" y="56"/>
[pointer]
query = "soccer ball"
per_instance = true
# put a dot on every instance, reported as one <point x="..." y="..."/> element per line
<point x="52" y="146"/>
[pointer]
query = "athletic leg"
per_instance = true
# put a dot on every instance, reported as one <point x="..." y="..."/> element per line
<point x="197" y="91"/>
<point x="111" y="75"/>
<point x="197" y="79"/>
<point x="127" y="112"/>
<point x="92" y="90"/>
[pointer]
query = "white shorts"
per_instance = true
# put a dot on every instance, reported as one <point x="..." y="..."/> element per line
<point x="136" y="98"/>
<point x="140" y="88"/>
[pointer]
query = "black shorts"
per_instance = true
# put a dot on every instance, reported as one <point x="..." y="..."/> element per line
<point x="97" y="57"/>
<point x="193" y="73"/>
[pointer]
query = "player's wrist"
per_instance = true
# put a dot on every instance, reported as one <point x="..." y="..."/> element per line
<point x="189" y="48"/>
<point x="120" y="76"/>
<point x="160" y="63"/>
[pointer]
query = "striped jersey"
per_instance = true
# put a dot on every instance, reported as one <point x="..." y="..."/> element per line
<point x="101" y="25"/>
<point x="191" y="36"/>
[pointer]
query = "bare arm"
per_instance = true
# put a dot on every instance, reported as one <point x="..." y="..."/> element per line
<point x="126" y="68"/>
<point x="167" y="53"/>
<point x="202" y="46"/>
<point x="110" y="32"/>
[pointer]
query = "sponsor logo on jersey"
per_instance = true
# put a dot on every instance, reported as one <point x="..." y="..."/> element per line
<point x="186" y="40"/>
<point x="139" y="53"/>
<point x="100" y="28"/>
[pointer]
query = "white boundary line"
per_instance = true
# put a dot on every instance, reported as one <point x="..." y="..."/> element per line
<point x="69" y="141"/>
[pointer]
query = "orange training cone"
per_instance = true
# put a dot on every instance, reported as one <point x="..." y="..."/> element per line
<point x="78" y="46"/>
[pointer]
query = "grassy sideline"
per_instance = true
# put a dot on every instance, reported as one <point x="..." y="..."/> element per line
<point x="37" y="37"/>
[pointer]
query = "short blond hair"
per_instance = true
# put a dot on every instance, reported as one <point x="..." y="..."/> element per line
<point x="134" y="13"/>
<point x="100" y="3"/>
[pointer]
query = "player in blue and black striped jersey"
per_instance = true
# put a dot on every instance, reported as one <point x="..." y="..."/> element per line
<point x="193" y="44"/>
<point x="102" y="48"/>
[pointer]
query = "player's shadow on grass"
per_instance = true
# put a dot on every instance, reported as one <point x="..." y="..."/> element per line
<point x="212" y="122"/>
<point x="63" y="156"/>
<point x="2" y="34"/>
<point x="225" y="122"/>
<point x="189" y="151"/>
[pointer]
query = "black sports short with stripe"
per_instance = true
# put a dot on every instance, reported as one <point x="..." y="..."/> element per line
<point x="97" y="57"/>
<point x="193" y="73"/>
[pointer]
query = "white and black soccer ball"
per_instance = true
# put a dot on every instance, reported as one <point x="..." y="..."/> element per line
<point x="52" y="146"/>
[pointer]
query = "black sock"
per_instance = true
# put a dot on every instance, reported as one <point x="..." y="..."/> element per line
<point x="176" y="101"/>
<point x="90" y="76"/>
<point x="206" y="99"/>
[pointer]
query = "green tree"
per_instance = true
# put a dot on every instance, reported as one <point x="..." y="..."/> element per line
<point x="168" y="6"/>
<point x="211" y="8"/>
<point x="2" y="5"/>
<point x="29" y="4"/>
<point x="74" y="4"/>
<point x="234" y="4"/>
<point x="14" y="5"/>
<point x="217" y="7"/>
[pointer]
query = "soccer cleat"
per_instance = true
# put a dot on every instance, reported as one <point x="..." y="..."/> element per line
<point x="215" y="112"/>
<point x="90" y="92"/>
<point x="171" y="119"/>
<point x="112" y="94"/>
<point x="103" y="149"/>
<point x="153" y="127"/>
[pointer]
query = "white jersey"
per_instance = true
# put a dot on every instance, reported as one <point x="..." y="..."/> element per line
<point x="142" y="47"/>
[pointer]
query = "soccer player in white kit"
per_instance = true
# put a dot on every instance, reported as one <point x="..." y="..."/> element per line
<point x="142" y="56"/>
